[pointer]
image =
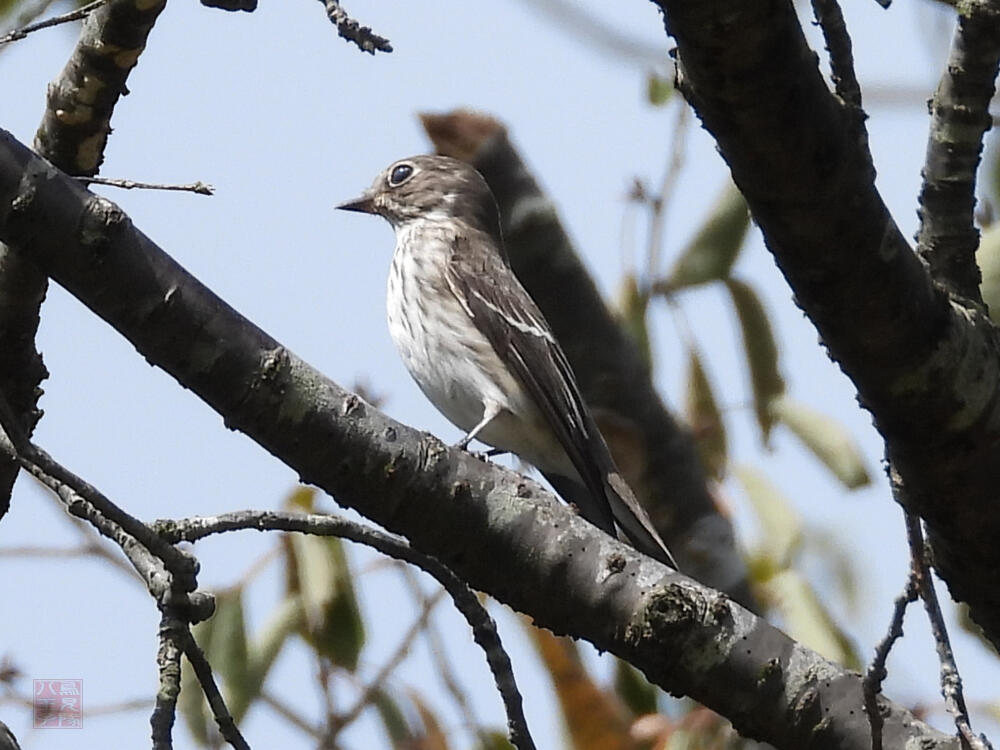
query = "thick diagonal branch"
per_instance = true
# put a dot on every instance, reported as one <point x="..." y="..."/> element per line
<point x="499" y="531"/>
<point x="927" y="369"/>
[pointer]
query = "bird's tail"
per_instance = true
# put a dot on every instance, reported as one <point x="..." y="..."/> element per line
<point x="626" y="513"/>
<point x="633" y="520"/>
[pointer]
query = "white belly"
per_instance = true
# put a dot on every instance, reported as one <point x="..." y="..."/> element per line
<point x="454" y="364"/>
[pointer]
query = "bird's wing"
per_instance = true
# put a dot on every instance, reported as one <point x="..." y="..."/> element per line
<point x="507" y="316"/>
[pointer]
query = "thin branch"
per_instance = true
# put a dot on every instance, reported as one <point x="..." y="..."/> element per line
<point x="876" y="672"/>
<point x="74" y="15"/>
<point x="352" y="31"/>
<point x="290" y="715"/>
<point x="168" y="662"/>
<point x="483" y="628"/>
<point x="951" y="680"/>
<point x="377" y="683"/>
<point x="960" y="117"/>
<point x="660" y="203"/>
<point x="838" y="44"/>
<point x="198" y="187"/>
<point x="150" y="556"/>
<point x="203" y="670"/>
<point x="598" y="32"/>
<point x="440" y="658"/>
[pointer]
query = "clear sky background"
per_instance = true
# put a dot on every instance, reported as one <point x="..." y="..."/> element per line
<point x="286" y="120"/>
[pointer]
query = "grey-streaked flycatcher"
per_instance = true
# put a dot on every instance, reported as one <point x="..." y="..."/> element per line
<point x="479" y="347"/>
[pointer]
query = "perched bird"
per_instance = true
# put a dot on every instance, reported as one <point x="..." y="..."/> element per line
<point x="479" y="347"/>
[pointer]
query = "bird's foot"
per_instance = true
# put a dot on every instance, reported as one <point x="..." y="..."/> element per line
<point x="483" y="456"/>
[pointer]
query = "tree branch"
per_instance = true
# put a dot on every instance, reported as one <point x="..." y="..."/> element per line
<point x="927" y="371"/>
<point x="72" y="135"/>
<point x="960" y="118"/>
<point x="496" y="529"/>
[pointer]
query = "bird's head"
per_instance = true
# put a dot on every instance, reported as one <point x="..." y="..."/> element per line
<point x="430" y="188"/>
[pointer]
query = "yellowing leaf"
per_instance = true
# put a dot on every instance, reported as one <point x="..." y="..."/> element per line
<point x="318" y="573"/>
<point x="780" y="526"/>
<point x="634" y="690"/>
<point x="761" y="353"/>
<point x="705" y="419"/>
<point x="264" y="648"/>
<point x="633" y="306"/>
<point x="227" y="650"/>
<point x="401" y="736"/>
<point x="826" y="438"/>
<point x="659" y="89"/>
<point x="808" y="621"/>
<point x="988" y="257"/>
<point x="710" y="255"/>
<point x="433" y="737"/>
<point x="595" y="719"/>
<point x="493" y="740"/>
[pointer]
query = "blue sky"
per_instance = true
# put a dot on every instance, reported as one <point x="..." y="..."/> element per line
<point x="286" y="120"/>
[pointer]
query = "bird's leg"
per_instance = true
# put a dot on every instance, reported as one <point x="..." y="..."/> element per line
<point x="490" y="410"/>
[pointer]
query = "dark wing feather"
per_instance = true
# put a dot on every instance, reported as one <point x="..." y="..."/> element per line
<point x="507" y="316"/>
<point x="504" y="312"/>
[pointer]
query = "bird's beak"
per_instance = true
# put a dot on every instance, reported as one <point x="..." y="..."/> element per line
<point x="364" y="204"/>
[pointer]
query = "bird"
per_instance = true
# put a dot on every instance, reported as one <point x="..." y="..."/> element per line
<point x="479" y="347"/>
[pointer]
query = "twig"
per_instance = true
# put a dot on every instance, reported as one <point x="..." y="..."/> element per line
<point x="437" y="651"/>
<point x="876" y="672"/>
<point x="195" y="187"/>
<point x="951" y="680"/>
<point x="838" y="44"/>
<point x="203" y="670"/>
<point x="661" y="201"/>
<point x="377" y="683"/>
<point x="169" y="574"/>
<point x="290" y="715"/>
<point x="599" y="32"/>
<point x="352" y="31"/>
<point x="150" y="555"/>
<point x="960" y="116"/>
<point x="74" y="15"/>
<point x="483" y="627"/>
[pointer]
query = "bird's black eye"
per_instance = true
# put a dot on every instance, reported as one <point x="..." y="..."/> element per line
<point x="400" y="174"/>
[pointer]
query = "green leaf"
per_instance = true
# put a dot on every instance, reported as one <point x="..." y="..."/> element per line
<point x="710" y="255"/>
<point x="659" y="90"/>
<point x="493" y="739"/>
<point x="433" y="736"/>
<point x="286" y="619"/>
<point x="988" y="257"/>
<point x="808" y="620"/>
<point x="761" y="352"/>
<point x="321" y="579"/>
<point x="826" y="439"/>
<point x="780" y="526"/>
<point x="227" y="650"/>
<point x="401" y="735"/>
<point x="705" y="419"/>
<point x="633" y="305"/>
<point x="635" y="691"/>
<point x="333" y="622"/>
